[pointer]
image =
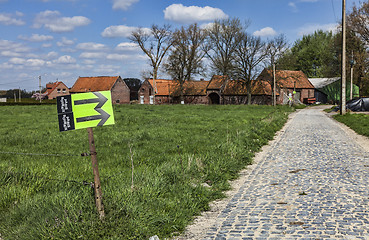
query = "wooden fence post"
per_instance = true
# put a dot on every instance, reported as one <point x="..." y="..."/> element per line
<point x="97" y="185"/>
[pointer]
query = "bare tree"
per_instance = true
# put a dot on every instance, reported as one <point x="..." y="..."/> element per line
<point x="358" y="21"/>
<point x="223" y="38"/>
<point x="185" y="59"/>
<point x="250" y="53"/>
<point x="154" y="44"/>
<point x="276" y="47"/>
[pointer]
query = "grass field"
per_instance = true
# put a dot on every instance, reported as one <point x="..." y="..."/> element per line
<point x="175" y="151"/>
<point x="357" y="122"/>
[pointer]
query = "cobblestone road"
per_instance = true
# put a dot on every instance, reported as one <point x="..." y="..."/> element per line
<point x="313" y="184"/>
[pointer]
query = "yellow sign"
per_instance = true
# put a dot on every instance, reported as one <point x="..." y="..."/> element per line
<point x="85" y="110"/>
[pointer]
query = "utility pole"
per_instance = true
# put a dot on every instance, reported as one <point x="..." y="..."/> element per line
<point x="274" y="88"/>
<point x="20" y="98"/>
<point x="343" y="75"/>
<point x="39" y="78"/>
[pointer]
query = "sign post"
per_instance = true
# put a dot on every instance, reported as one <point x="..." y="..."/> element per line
<point x="95" y="168"/>
<point x="87" y="110"/>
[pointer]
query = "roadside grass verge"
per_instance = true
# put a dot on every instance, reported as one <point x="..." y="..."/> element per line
<point x="183" y="158"/>
<point x="357" y="122"/>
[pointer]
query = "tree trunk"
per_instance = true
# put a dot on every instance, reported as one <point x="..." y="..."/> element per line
<point x="248" y="87"/>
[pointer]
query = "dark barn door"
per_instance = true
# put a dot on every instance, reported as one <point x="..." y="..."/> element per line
<point x="214" y="98"/>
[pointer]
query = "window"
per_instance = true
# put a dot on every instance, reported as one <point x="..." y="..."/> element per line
<point x="117" y="101"/>
<point x="58" y="90"/>
<point x="64" y="90"/>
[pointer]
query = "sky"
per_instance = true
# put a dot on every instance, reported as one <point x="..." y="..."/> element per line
<point x="64" y="39"/>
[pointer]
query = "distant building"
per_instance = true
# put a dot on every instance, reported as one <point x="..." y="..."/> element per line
<point x="222" y="90"/>
<point x="288" y="82"/>
<point x="328" y="90"/>
<point x="119" y="90"/>
<point x="56" y="89"/>
<point x="168" y="91"/>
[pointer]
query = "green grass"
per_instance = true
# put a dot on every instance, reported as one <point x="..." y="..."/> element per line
<point x="176" y="150"/>
<point x="357" y="122"/>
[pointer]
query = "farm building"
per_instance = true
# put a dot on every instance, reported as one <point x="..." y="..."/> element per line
<point x="120" y="92"/>
<point x="328" y="90"/>
<point x="168" y="91"/>
<point x="56" y="89"/>
<point x="288" y="82"/>
<point x="222" y="90"/>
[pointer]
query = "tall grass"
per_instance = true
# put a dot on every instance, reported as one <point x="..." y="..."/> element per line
<point x="175" y="150"/>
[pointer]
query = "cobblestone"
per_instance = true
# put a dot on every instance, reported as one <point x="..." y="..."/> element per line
<point x="313" y="184"/>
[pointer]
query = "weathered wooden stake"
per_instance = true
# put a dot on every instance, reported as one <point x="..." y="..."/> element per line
<point x="97" y="185"/>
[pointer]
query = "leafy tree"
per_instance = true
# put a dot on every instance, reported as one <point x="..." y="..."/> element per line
<point x="185" y="57"/>
<point x="311" y="54"/>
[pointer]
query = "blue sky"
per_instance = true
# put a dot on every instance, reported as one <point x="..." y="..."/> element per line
<point x="64" y="39"/>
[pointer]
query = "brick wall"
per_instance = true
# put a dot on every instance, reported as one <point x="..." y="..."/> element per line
<point x="120" y="93"/>
<point x="60" y="90"/>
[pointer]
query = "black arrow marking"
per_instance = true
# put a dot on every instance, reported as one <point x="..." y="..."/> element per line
<point x="101" y="100"/>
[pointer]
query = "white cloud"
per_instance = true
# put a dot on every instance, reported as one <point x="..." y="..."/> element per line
<point x="66" y="59"/>
<point x="47" y="45"/>
<point x="7" y="45"/>
<point x="9" y="19"/>
<point x="35" y="62"/>
<point x="10" y="54"/>
<point x="52" y="21"/>
<point x="65" y="42"/>
<point x="265" y="32"/>
<point x="89" y="61"/>
<point x="311" y="28"/>
<point x="92" y="55"/>
<point x="91" y="46"/>
<point x="36" y="38"/>
<point x="123" y="4"/>
<point x="182" y="14"/>
<point x="17" y="60"/>
<point x="51" y="55"/>
<point x="293" y="6"/>
<point x="126" y="46"/>
<point x="118" y="31"/>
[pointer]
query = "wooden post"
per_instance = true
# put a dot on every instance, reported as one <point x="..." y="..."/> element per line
<point x="343" y="74"/>
<point x="97" y="185"/>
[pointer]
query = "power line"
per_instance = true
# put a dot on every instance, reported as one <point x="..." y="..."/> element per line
<point x="334" y="12"/>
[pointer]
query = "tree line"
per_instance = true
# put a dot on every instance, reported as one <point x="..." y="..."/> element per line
<point x="225" y="47"/>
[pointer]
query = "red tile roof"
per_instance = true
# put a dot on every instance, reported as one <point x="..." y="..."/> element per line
<point x="217" y="82"/>
<point x="94" y="84"/>
<point x="262" y="88"/>
<point x="237" y="87"/>
<point x="50" y="87"/>
<point x="287" y="78"/>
